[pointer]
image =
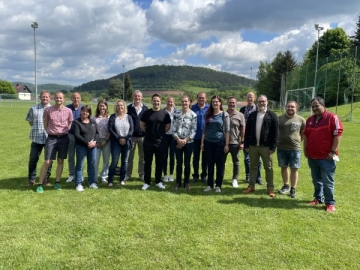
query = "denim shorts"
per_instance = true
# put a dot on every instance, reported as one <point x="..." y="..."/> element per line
<point x="289" y="158"/>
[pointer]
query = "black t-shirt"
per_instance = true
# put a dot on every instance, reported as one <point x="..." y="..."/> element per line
<point x="155" y="122"/>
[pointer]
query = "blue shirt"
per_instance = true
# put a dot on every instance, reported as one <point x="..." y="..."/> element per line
<point x="200" y="116"/>
<point x="76" y="115"/>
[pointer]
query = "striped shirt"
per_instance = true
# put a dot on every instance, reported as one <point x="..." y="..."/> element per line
<point x="58" y="120"/>
<point x="35" y="116"/>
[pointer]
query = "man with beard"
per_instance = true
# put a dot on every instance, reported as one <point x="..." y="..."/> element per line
<point x="261" y="134"/>
<point x="291" y="128"/>
<point x="321" y="142"/>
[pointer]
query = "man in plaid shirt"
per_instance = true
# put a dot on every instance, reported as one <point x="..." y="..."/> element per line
<point x="38" y="136"/>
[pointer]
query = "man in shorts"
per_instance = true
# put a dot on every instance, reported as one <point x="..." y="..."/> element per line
<point x="291" y="129"/>
<point x="57" y="122"/>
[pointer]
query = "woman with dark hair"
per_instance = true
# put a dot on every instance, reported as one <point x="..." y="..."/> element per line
<point x="121" y="128"/>
<point x="86" y="136"/>
<point x="103" y="145"/>
<point x="215" y="141"/>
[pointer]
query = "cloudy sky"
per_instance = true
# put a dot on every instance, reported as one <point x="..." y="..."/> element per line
<point x="79" y="41"/>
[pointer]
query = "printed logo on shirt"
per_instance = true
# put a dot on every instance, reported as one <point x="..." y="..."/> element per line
<point x="295" y="126"/>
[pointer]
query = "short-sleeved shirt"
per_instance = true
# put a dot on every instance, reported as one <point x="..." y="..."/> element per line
<point x="58" y="120"/>
<point x="237" y="121"/>
<point x="200" y="118"/>
<point x="216" y="128"/>
<point x="320" y="134"/>
<point x="290" y="130"/>
<point x="155" y="122"/>
<point x="35" y="116"/>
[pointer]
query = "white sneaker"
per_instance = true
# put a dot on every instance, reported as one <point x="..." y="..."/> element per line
<point x="126" y="178"/>
<point x="218" y="189"/>
<point x="208" y="188"/>
<point x="145" y="187"/>
<point x="171" y="178"/>
<point x="160" y="185"/>
<point x="104" y="180"/>
<point x="70" y="179"/>
<point x="79" y="188"/>
<point x="166" y="178"/>
<point x="93" y="185"/>
<point x="235" y="183"/>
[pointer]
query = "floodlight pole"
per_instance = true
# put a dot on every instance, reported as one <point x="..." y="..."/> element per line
<point x="124" y="82"/>
<point x="35" y="25"/>
<point x="318" y="28"/>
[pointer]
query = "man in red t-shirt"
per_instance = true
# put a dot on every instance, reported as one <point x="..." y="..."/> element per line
<point x="321" y="141"/>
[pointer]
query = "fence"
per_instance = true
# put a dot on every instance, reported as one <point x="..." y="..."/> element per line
<point x="335" y="78"/>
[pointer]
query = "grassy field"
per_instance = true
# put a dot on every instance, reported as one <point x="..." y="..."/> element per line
<point x="127" y="228"/>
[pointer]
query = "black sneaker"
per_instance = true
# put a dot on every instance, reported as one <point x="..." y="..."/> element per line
<point x="204" y="179"/>
<point x="293" y="193"/>
<point x="285" y="189"/>
<point x="247" y="179"/>
<point x="195" y="179"/>
<point x="258" y="181"/>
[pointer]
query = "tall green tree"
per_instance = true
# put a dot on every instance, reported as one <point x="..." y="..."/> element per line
<point x="115" y="89"/>
<point x="270" y="75"/>
<point x="6" y="87"/>
<point x="128" y="88"/>
<point x="355" y="39"/>
<point x="331" y="43"/>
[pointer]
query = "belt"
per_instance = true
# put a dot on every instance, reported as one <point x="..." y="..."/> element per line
<point x="58" y="136"/>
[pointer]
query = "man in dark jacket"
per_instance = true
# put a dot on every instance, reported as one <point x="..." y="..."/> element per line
<point x="261" y="134"/>
<point x="136" y="110"/>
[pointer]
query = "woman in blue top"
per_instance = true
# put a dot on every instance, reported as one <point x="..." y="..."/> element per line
<point x="215" y="141"/>
<point x="121" y="129"/>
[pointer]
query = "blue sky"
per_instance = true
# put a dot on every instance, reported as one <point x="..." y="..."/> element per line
<point x="81" y="41"/>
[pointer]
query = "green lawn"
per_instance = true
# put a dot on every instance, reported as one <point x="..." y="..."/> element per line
<point x="127" y="228"/>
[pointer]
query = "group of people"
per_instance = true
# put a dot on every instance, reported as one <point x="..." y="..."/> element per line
<point x="205" y="131"/>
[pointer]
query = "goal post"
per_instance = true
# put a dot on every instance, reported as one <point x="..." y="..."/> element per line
<point x="302" y="96"/>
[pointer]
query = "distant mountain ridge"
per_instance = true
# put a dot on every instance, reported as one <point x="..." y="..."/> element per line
<point x="172" y="77"/>
<point x="51" y="87"/>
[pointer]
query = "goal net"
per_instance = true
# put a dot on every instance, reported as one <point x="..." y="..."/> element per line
<point x="302" y="96"/>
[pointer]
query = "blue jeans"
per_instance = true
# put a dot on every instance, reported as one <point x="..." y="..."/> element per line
<point x="183" y="154"/>
<point x="106" y="157"/>
<point x="35" y="152"/>
<point x="196" y="159"/>
<point x="116" y="150"/>
<point x="247" y="165"/>
<point x="215" y="156"/>
<point x="170" y="147"/>
<point x="322" y="173"/>
<point x="90" y="154"/>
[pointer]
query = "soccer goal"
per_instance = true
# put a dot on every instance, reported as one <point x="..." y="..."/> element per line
<point x="302" y="96"/>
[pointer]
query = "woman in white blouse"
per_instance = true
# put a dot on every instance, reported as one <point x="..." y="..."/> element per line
<point x="103" y="145"/>
<point x="121" y="129"/>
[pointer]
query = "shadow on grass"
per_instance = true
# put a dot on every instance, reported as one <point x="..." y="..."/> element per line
<point x="267" y="202"/>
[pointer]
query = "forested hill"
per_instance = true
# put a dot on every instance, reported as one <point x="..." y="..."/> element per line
<point x="51" y="87"/>
<point x="172" y="77"/>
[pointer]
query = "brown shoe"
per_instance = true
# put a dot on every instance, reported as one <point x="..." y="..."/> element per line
<point x="271" y="193"/>
<point x="249" y="190"/>
<point x="187" y="187"/>
<point x="176" y="187"/>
